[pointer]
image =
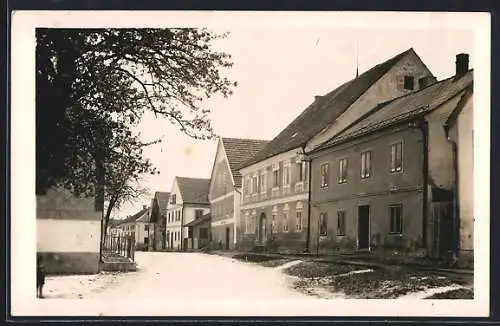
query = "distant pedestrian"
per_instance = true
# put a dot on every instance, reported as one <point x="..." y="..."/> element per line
<point x="40" y="276"/>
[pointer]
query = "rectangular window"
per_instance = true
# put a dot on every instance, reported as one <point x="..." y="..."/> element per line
<point x="298" y="225"/>
<point x="286" y="175"/>
<point x="198" y="213"/>
<point x="254" y="184"/>
<point x="323" y="227"/>
<point x="248" y="224"/>
<point x="173" y="199"/>
<point x="396" y="214"/>
<point x="146" y="227"/>
<point x="397" y="157"/>
<point x="342" y="170"/>
<point x="366" y="164"/>
<point x="263" y="184"/>
<point x="324" y="175"/>
<point x="301" y="171"/>
<point x="341" y="222"/>
<point x="274" y="228"/>
<point x="408" y="82"/>
<point x="285" y="222"/>
<point x="276" y="178"/>
<point x="247" y="183"/>
<point x="203" y="233"/>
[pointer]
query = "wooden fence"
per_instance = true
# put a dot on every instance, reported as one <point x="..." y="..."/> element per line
<point x="119" y="245"/>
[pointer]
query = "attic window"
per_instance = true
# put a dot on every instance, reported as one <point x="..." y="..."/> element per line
<point x="295" y="134"/>
<point x="408" y="82"/>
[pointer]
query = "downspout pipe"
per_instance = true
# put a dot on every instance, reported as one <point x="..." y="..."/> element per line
<point x="456" y="208"/>
<point x="309" y="184"/>
<point x="424" y="128"/>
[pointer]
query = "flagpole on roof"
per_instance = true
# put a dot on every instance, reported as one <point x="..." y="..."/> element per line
<point x="357" y="58"/>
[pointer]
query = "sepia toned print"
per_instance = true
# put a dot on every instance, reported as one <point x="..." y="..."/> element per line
<point x="252" y="164"/>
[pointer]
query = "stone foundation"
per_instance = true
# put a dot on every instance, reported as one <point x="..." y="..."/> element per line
<point x="70" y="262"/>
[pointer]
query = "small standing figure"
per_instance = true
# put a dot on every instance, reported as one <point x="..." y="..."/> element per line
<point x="40" y="277"/>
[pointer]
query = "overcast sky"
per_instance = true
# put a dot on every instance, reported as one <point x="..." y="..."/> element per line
<point x="279" y="71"/>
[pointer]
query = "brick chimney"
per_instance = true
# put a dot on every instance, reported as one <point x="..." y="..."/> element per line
<point x="462" y="63"/>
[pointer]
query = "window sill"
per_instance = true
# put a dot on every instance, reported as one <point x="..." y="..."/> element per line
<point x="341" y="235"/>
<point x="396" y="234"/>
<point x="323" y="235"/>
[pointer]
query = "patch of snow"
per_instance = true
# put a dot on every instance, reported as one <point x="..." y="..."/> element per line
<point x="356" y="272"/>
<point x="288" y="265"/>
<point x="430" y="292"/>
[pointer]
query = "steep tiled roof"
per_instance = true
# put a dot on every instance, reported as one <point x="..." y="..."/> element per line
<point x="404" y="108"/>
<point x="238" y="151"/>
<point x="136" y="216"/>
<point x="197" y="221"/>
<point x="323" y="111"/>
<point x="162" y="199"/>
<point x="194" y="190"/>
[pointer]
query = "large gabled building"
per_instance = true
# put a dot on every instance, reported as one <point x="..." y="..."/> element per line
<point x="275" y="198"/>
<point x="225" y="188"/>
<point x="387" y="182"/>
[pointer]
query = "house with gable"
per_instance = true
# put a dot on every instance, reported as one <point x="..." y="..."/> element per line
<point x="138" y="227"/>
<point x="69" y="229"/>
<point x="158" y="220"/>
<point x="225" y="188"/>
<point x="387" y="182"/>
<point x="188" y="201"/>
<point x="275" y="201"/>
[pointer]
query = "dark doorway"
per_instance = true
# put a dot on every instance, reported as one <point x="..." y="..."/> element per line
<point x="262" y="228"/>
<point x="364" y="227"/>
<point x="227" y="237"/>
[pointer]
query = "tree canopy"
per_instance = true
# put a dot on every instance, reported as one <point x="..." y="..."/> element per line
<point x="94" y="85"/>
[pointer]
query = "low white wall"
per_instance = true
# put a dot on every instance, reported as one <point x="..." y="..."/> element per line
<point x="58" y="235"/>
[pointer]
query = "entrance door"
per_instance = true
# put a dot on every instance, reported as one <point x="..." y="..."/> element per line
<point x="364" y="227"/>
<point x="262" y="228"/>
<point x="227" y="238"/>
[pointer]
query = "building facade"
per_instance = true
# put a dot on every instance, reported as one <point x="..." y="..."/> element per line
<point x="68" y="232"/>
<point x="200" y="232"/>
<point x="158" y="221"/>
<point x="275" y="202"/>
<point x="188" y="201"/>
<point x="460" y="133"/>
<point x="385" y="184"/>
<point x="225" y="188"/>
<point x="139" y="227"/>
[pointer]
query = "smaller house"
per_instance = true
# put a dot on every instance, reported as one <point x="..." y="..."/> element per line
<point x="113" y="227"/>
<point x="158" y="240"/>
<point x="188" y="201"/>
<point x="68" y="231"/>
<point x="200" y="230"/>
<point x="138" y="226"/>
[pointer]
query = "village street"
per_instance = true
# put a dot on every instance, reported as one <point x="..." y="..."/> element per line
<point x="162" y="276"/>
<point x="178" y="276"/>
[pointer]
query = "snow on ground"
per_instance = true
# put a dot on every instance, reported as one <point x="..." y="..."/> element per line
<point x="431" y="291"/>
<point x="177" y="276"/>
<point x="288" y="265"/>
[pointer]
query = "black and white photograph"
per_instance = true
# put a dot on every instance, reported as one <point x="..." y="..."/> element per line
<point x="224" y="163"/>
